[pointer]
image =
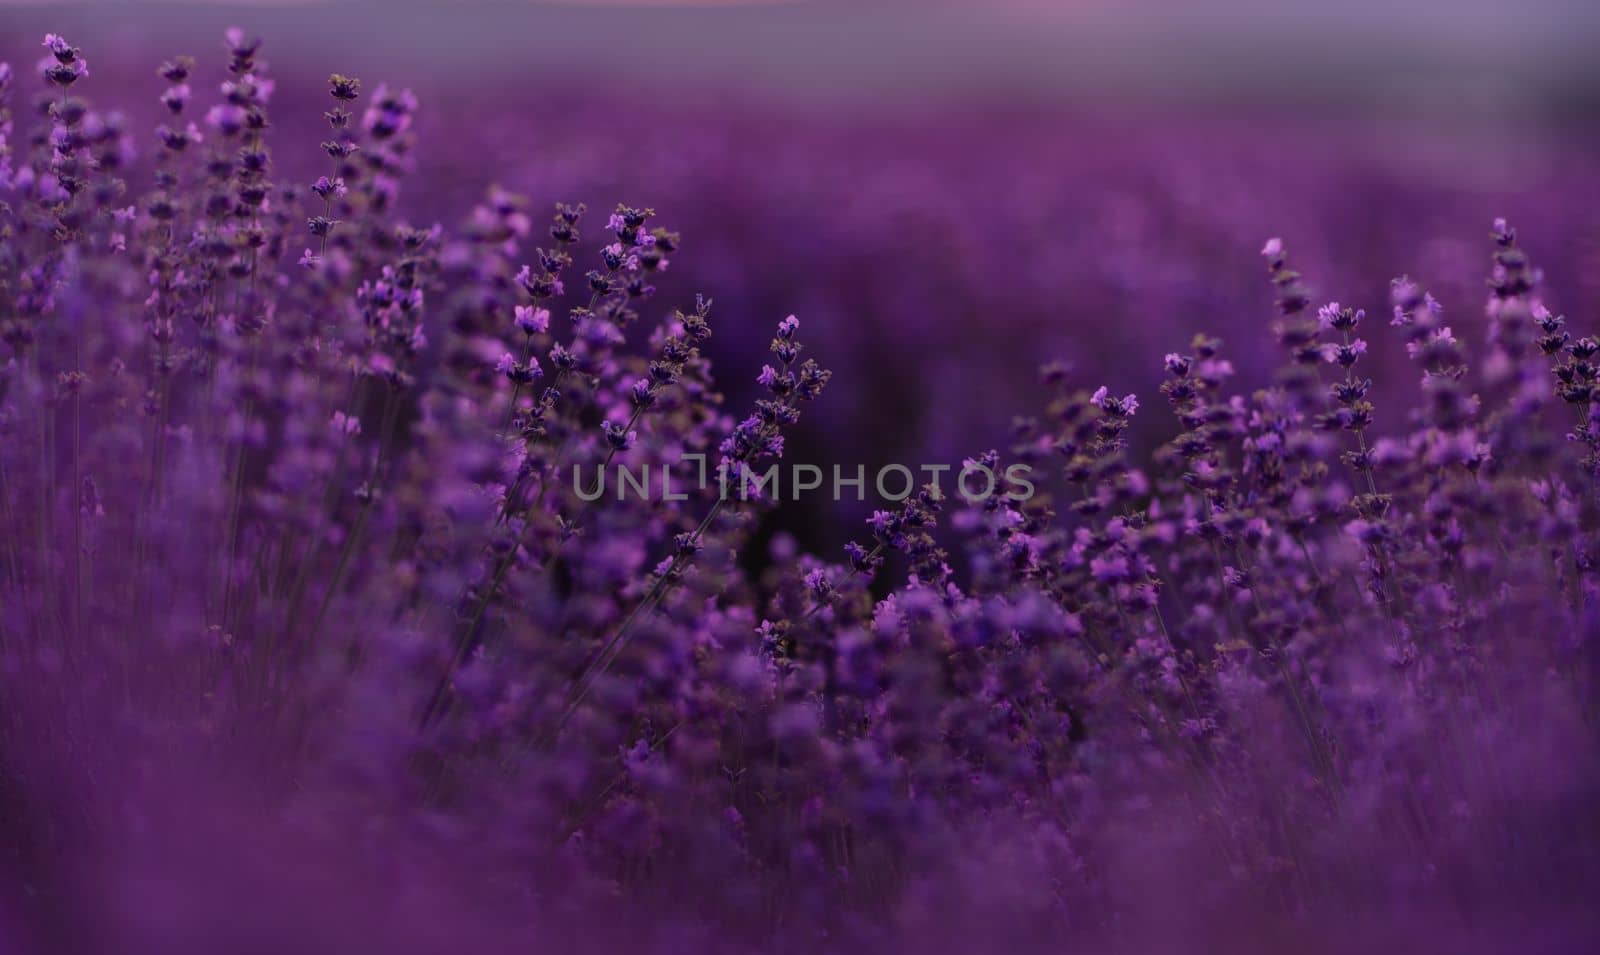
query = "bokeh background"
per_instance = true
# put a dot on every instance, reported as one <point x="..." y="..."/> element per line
<point x="950" y="194"/>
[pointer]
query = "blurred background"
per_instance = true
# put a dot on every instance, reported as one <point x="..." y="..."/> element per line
<point x="951" y="194"/>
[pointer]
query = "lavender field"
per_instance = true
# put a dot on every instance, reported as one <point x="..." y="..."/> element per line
<point x="787" y="479"/>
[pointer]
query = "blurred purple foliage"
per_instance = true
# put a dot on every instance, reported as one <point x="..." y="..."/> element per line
<point x="307" y="641"/>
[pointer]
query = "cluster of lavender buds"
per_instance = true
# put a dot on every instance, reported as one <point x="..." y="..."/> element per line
<point x="310" y="640"/>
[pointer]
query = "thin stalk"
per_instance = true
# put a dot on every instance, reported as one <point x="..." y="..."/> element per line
<point x="613" y="647"/>
<point x="390" y="413"/>
<point x="236" y="497"/>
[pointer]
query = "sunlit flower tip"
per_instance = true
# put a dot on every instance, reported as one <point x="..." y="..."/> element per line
<point x="326" y="188"/>
<point x="176" y="97"/>
<point x="58" y="46"/>
<point x="342" y="87"/>
<point x="226" y="117"/>
<point x="389" y="113"/>
<point x="788" y="327"/>
<point x="339" y="149"/>
<point x="618" y="436"/>
<point x="176" y="70"/>
<point x="65" y="74"/>
<point x="1116" y="407"/>
<point x="1365" y="531"/>
<point x="344" y="424"/>
<point x="1273" y="250"/>
<point x="1339" y="318"/>
<point x="240" y="44"/>
<point x="642" y="394"/>
<point x="1344" y="355"/>
<point x="532" y="320"/>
